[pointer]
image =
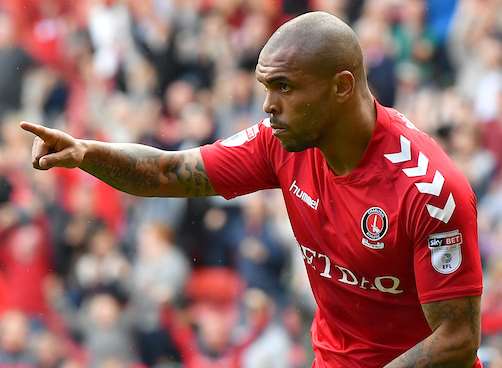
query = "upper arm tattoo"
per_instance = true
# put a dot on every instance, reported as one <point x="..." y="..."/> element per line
<point x="455" y="324"/>
<point x="454" y="313"/>
<point x="184" y="173"/>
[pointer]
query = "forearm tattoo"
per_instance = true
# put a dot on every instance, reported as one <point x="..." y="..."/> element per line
<point x="456" y="330"/>
<point x="187" y="170"/>
<point x="146" y="171"/>
<point x="418" y="356"/>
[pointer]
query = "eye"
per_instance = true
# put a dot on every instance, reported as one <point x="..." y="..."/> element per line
<point x="284" y="87"/>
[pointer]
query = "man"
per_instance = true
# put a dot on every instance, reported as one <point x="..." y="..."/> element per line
<point x="386" y="224"/>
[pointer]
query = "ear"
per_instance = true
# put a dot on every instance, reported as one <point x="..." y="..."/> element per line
<point x="343" y="85"/>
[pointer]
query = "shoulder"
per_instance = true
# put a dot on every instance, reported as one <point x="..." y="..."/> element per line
<point x="260" y="139"/>
<point x="261" y="131"/>
<point x="432" y="187"/>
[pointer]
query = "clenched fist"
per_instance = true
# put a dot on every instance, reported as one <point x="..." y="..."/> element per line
<point x="54" y="148"/>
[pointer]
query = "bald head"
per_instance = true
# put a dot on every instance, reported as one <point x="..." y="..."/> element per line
<point x="316" y="92"/>
<point x="320" y="42"/>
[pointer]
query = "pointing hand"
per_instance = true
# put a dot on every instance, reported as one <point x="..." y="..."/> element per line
<point x="53" y="148"/>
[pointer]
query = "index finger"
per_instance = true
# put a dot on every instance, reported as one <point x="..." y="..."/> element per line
<point x="37" y="129"/>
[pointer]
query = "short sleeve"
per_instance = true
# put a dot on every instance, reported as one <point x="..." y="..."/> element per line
<point x="443" y="230"/>
<point x="241" y="164"/>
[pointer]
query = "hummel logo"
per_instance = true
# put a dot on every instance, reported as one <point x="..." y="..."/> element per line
<point x="303" y="196"/>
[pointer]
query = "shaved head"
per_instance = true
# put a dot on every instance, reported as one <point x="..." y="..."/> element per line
<point x="319" y="42"/>
<point x="313" y="74"/>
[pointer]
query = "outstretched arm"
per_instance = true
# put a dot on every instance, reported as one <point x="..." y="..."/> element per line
<point x="454" y="340"/>
<point x="133" y="168"/>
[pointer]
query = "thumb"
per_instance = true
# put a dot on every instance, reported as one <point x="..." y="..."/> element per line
<point x="62" y="158"/>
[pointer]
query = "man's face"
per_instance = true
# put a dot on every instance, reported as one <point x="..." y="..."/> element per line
<point x="297" y="99"/>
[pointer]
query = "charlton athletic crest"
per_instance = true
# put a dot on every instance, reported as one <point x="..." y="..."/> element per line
<point x="374" y="225"/>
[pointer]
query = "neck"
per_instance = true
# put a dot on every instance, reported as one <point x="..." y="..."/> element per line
<point x="344" y="146"/>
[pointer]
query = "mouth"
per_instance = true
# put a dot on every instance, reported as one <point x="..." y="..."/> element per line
<point x="277" y="129"/>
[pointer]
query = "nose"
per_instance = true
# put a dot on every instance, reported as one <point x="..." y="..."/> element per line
<point x="271" y="104"/>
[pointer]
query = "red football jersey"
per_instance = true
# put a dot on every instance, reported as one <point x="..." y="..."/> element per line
<point x="398" y="231"/>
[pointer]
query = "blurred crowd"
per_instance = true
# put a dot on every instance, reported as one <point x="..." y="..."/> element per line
<point x="90" y="277"/>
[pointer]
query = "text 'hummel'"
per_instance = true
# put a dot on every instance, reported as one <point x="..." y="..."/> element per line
<point x="303" y="196"/>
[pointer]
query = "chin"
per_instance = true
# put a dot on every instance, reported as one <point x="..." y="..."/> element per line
<point x="295" y="146"/>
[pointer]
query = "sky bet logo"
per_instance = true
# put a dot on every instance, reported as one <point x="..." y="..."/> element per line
<point x="435" y="243"/>
<point x="450" y="238"/>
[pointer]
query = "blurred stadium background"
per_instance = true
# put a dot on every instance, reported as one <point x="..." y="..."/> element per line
<point x="90" y="277"/>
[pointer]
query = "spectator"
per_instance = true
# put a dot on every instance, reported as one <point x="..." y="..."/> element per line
<point x="379" y="57"/>
<point x="261" y="258"/>
<point x="476" y="162"/>
<point x="472" y="23"/>
<point x="414" y="41"/>
<point x="25" y="262"/>
<point x="14" y="334"/>
<point x="489" y="86"/>
<point x="109" y="26"/>
<point x="14" y="63"/>
<point x="103" y="268"/>
<point x="154" y="32"/>
<point x="103" y="325"/>
<point x="210" y="345"/>
<point x="271" y="347"/>
<point x="157" y="278"/>
<point x="492" y="134"/>
<point x="49" y="351"/>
